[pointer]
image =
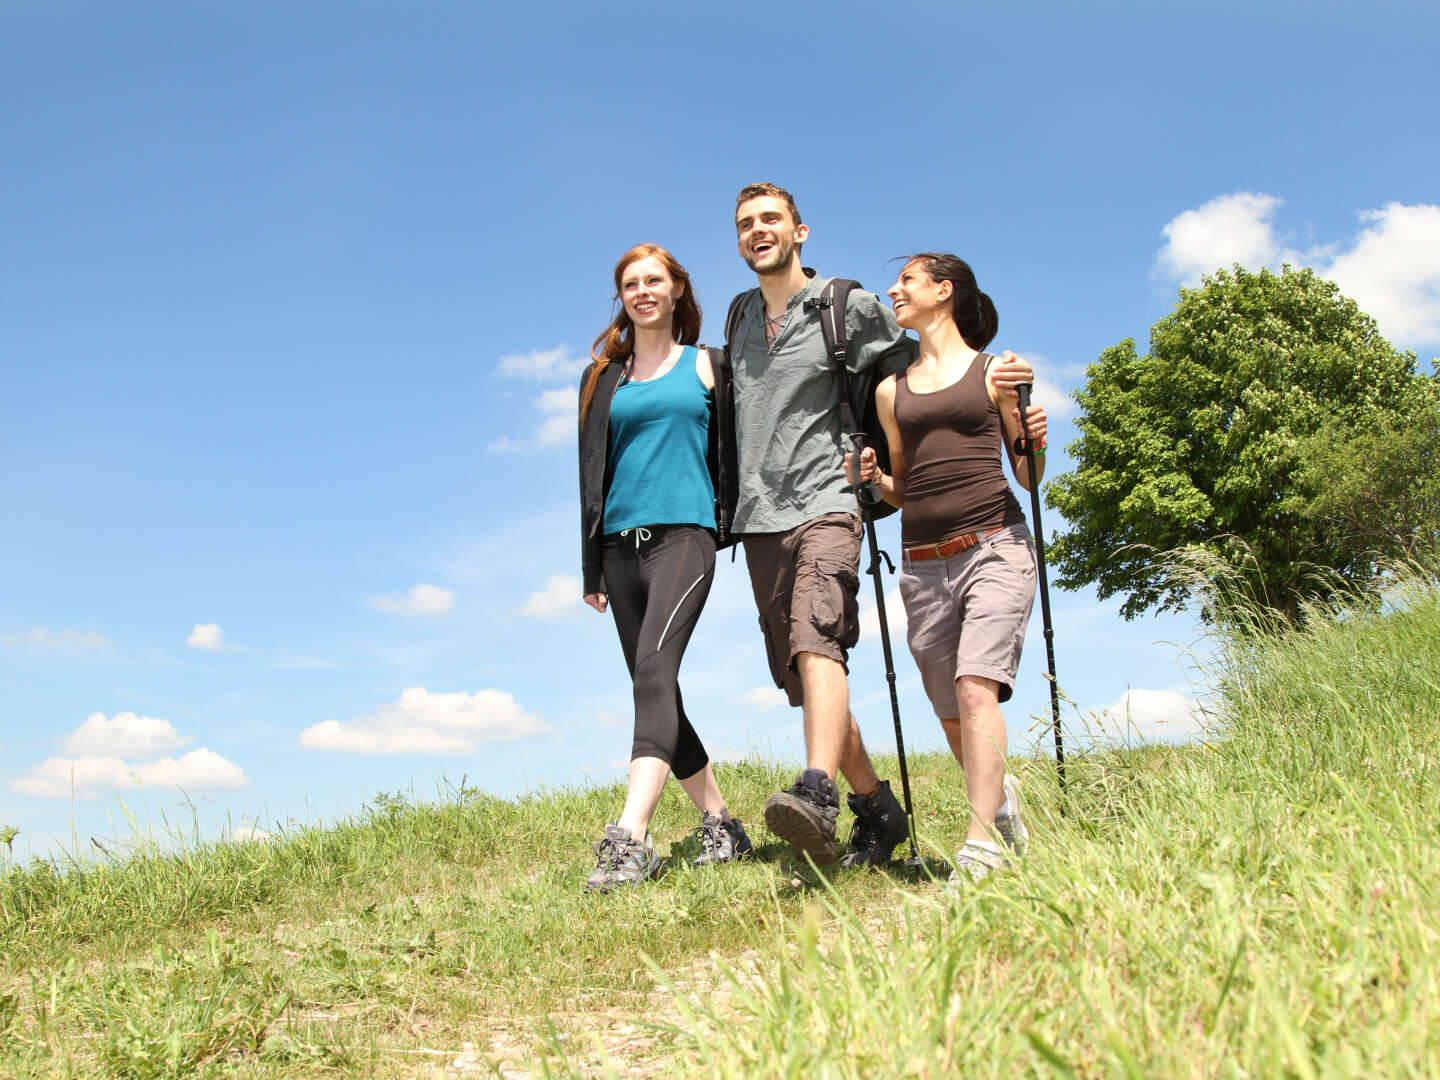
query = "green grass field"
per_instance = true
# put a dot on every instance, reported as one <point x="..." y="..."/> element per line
<point x="1260" y="905"/>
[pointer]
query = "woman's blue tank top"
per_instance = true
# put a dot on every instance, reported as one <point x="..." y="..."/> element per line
<point x="659" y="432"/>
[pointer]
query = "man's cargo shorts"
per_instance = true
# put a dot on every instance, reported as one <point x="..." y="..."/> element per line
<point x="806" y="583"/>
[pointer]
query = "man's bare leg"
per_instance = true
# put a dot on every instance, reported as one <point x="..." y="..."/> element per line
<point x="832" y="737"/>
<point x="832" y="740"/>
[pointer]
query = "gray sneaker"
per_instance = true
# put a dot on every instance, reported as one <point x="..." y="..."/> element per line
<point x="721" y="840"/>
<point x="621" y="860"/>
<point x="975" y="863"/>
<point x="1008" y="824"/>
<point x="805" y="815"/>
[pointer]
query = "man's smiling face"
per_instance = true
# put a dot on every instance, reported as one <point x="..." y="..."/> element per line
<point x="768" y="236"/>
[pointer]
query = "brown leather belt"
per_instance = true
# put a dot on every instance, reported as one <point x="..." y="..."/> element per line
<point x="946" y="548"/>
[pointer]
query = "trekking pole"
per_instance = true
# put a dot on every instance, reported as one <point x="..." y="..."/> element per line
<point x="1024" y="392"/>
<point x="869" y="495"/>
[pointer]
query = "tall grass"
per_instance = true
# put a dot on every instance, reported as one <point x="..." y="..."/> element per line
<point x="1265" y="905"/>
<point x="1262" y="904"/>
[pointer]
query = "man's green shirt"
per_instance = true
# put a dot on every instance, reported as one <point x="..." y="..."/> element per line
<point x="787" y="407"/>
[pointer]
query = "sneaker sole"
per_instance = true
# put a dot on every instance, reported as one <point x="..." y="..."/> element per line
<point x="787" y="819"/>
<point x="873" y="858"/>
<point x="614" y="884"/>
<point x="736" y="856"/>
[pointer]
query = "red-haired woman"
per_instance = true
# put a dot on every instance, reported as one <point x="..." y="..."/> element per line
<point x="968" y="580"/>
<point x="648" y="524"/>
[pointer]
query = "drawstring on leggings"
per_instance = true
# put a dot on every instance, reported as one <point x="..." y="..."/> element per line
<point x="642" y="535"/>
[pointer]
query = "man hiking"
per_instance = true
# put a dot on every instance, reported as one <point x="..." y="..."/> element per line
<point x="799" y="518"/>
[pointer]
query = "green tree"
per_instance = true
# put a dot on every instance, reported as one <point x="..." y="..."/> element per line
<point x="1377" y="484"/>
<point x="1202" y="443"/>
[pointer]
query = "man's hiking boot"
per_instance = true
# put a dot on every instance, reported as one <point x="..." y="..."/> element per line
<point x="621" y="860"/>
<point x="974" y="862"/>
<point x="805" y="815"/>
<point x="721" y="840"/>
<point x="879" y="825"/>
<point x="1007" y="821"/>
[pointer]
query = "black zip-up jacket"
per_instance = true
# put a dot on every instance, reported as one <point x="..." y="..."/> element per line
<point x="721" y="458"/>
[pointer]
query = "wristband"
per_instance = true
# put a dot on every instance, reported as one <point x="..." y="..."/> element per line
<point x="1018" y="447"/>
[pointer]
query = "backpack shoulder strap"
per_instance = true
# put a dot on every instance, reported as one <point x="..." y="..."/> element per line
<point x="718" y="358"/>
<point x="732" y="317"/>
<point x="831" y="306"/>
<point x="831" y="303"/>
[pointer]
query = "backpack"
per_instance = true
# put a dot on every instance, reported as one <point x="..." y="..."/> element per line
<point x="859" y="418"/>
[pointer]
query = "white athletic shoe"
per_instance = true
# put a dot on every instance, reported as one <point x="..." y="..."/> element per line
<point x="976" y="861"/>
<point x="1007" y="822"/>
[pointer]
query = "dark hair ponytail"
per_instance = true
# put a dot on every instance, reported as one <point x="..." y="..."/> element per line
<point x="973" y="311"/>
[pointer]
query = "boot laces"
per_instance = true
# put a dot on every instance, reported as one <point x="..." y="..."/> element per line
<point x="610" y="851"/>
<point x="712" y="836"/>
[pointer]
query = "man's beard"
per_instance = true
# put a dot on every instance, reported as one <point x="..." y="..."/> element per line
<point x="782" y="266"/>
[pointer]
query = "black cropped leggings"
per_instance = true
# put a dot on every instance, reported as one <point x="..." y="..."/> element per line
<point x="657" y="579"/>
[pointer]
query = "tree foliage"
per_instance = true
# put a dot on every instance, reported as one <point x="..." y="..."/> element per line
<point x="1378" y="484"/>
<point x="1206" y="441"/>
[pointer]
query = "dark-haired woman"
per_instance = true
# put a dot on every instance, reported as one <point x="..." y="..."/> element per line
<point x="648" y="543"/>
<point x="968" y="580"/>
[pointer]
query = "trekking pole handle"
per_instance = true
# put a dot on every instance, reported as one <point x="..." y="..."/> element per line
<point x="1023" y="392"/>
<point x="869" y="492"/>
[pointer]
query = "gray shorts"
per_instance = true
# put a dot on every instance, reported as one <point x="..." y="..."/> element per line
<point x="967" y="614"/>
<point x="806" y="583"/>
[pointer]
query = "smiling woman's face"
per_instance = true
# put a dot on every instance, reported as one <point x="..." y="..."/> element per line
<point x="648" y="293"/>
<point x="915" y="295"/>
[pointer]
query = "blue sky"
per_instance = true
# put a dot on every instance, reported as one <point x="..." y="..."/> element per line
<point x="294" y="298"/>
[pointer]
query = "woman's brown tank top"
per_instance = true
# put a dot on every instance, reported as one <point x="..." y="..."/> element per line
<point x="954" y="458"/>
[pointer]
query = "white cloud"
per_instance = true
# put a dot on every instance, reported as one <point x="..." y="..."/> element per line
<point x="559" y="410"/>
<point x="765" y="698"/>
<point x="562" y="410"/>
<point x="367" y="736"/>
<point x="57" y="639"/>
<point x="1149" y="715"/>
<point x="544" y="365"/>
<point x="1228" y="229"/>
<point x="422" y="599"/>
<point x="608" y="718"/>
<point x="90" y="777"/>
<point x="559" y="599"/>
<point x="425" y="723"/>
<point x="206" y="636"/>
<point x="124" y="735"/>
<point x="894" y="616"/>
<point x="1391" y="268"/>
<point x="562" y="400"/>
<point x="1393" y="271"/>
<point x="1047" y="393"/>
<point x="250" y="834"/>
